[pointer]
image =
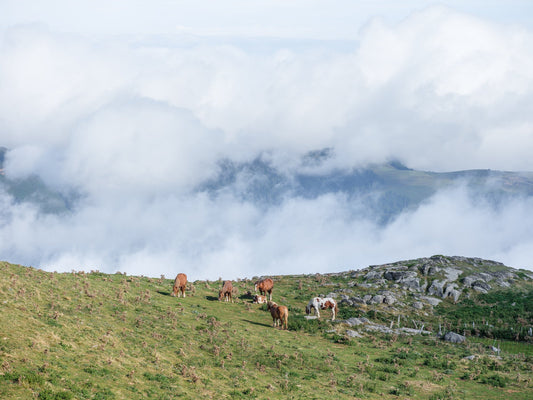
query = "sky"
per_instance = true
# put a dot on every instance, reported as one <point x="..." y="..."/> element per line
<point x="133" y="104"/>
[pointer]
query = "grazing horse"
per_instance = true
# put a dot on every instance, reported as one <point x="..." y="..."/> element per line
<point x="265" y="286"/>
<point x="226" y="292"/>
<point x="280" y="315"/>
<point x="180" y="285"/>
<point x="322" y="303"/>
<point x="259" y="299"/>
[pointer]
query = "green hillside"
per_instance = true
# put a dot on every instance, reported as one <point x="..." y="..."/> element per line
<point x="99" y="336"/>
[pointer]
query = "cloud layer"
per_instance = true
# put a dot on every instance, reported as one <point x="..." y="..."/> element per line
<point x="135" y="124"/>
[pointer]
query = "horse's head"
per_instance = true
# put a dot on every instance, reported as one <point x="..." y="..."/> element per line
<point x="308" y="309"/>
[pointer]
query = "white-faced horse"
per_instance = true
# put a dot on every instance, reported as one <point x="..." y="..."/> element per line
<point x="322" y="303"/>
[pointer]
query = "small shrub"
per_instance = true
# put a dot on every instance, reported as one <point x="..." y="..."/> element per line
<point x="495" y="380"/>
<point x="48" y="394"/>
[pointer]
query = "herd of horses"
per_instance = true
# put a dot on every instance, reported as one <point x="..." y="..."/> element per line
<point x="280" y="314"/>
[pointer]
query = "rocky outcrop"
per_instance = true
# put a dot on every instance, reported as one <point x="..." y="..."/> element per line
<point x="425" y="282"/>
<point x="413" y="288"/>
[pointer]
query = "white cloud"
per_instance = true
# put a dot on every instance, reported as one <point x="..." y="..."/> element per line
<point x="228" y="238"/>
<point x="134" y="123"/>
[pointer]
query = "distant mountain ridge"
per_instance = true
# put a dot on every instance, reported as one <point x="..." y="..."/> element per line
<point x="384" y="190"/>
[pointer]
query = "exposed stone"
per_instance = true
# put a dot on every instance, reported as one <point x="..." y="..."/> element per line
<point x="418" y="305"/>
<point x="346" y="302"/>
<point x="481" y="287"/>
<point x="377" y="299"/>
<point x="351" y="333"/>
<point x="398" y="275"/>
<point x="431" y="300"/>
<point x="452" y="274"/>
<point x="356" y="321"/>
<point x="374" y="275"/>
<point x="436" y="288"/>
<point x="454" y="337"/>
<point x="358" y="300"/>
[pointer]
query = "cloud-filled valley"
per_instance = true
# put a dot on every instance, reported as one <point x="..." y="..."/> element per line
<point x="138" y="133"/>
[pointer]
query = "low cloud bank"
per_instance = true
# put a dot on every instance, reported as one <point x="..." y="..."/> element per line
<point x="224" y="237"/>
<point x="134" y="125"/>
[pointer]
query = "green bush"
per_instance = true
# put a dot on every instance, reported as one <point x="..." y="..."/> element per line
<point x="495" y="380"/>
<point x="48" y="394"/>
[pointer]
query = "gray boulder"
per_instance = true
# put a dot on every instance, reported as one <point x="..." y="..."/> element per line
<point x="436" y="288"/>
<point x="431" y="300"/>
<point x="481" y="287"/>
<point x="346" y="302"/>
<point x="377" y="299"/>
<point x="389" y="299"/>
<point x="358" y="300"/>
<point x="453" y="337"/>
<point x="452" y="273"/>
<point x="396" y="275"/>
<point x="374" y="275"/>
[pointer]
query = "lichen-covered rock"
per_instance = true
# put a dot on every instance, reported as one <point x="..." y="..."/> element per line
<point x="431" y="300"/>
<point x="374" y="275"/>
<point x="453" y="337"/>
<point x="418" y="305"/>
<point x="436" y="288"/>
<point x="481" y="287"/>
<point x="377" y="299"/>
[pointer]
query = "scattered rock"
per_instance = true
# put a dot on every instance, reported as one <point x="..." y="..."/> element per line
<point x="377" y="299"/>
<point x="436" y="288"/>
<point x="481" y="287"/>
<point x="431" y="300"/>
<point x="351" y="333"/>
<point x="453" y="337"/>
<point x="356" y="321"/>
<point x="418" y="305"/>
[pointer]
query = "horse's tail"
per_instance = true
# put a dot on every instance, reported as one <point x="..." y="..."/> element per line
<point x="336" y="308"/>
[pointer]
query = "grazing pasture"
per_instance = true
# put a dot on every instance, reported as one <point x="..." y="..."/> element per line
<point x="98" y="336"/>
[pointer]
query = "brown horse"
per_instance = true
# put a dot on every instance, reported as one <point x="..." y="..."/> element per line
<point x="180" y="284"/>
<point x="280" y="315"/>
<point x="265" y="286"/>
<point x="226" y="292"/>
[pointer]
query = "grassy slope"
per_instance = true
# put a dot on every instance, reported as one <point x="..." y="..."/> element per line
<point x="98" y="336"/>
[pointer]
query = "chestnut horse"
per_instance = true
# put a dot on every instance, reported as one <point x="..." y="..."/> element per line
<point x="226" y="292"/>
<point x="265" y="286"/>
<point x="280" y="315"/>
<point x="180" y="285"/>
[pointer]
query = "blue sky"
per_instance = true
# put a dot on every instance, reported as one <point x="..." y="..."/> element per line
<point x="133" y="103"/>
<point x="309" y="19"/>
